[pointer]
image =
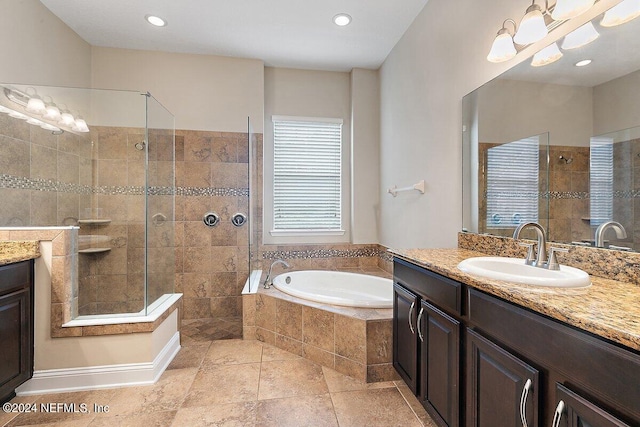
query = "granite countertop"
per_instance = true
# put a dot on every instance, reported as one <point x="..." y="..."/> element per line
<point x="608" y="308"/>
<point x="18" y="250"/>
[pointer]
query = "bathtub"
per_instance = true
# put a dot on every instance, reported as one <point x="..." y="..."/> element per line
<point x="337" y="288"/>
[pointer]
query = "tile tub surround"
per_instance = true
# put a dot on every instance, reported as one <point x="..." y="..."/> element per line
<point x="17" y="250"/>
<point x="609" y="308"/>
<point x="353" y="341"/>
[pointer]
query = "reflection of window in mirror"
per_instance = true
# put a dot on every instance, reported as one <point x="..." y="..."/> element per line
<point x="601" y="180"/>
<point x="512" y="192"/>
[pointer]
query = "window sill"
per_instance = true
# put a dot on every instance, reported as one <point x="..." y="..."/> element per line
<point x="300" y="233"/>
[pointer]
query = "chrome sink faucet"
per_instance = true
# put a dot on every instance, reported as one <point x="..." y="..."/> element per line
<point x="541" y="257"/>
<point x="267" y="281"/>
<point x="621" y="233"/>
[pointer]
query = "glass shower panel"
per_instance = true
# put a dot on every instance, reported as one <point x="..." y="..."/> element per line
<point x="160" y="206"/>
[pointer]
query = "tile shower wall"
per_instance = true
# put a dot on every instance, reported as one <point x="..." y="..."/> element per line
<point x="211" y="263"/>
<point x="566" y="200"/>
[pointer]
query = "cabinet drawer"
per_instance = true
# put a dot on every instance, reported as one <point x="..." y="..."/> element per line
<point x="610" y="373"/>
<point x="441" y="291"/>
<point x="14" y="276"/>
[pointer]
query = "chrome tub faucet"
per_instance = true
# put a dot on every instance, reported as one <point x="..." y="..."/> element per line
<point x="267" y="281"/>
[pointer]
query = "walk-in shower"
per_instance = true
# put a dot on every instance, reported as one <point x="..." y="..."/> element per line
<point x="102" y="161"/>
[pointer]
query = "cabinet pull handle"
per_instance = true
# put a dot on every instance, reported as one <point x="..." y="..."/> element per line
<point x="418" y="324"/>
<point x="523" y="402"/>
<point x="558" y="414"/>
<point x="411" y="315"/>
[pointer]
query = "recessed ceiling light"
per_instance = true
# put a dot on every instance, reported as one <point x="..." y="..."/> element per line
<point x="342" y="19"/>
<point x="583" y="63"/>
<point x="155" y="20"/>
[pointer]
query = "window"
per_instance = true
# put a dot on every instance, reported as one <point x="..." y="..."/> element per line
<point x="307" y="176"/>
<point x="601" y="180"/>
<point x="512" y="192"/>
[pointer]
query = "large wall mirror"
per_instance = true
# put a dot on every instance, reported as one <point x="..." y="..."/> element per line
<point x="559" y="144"/>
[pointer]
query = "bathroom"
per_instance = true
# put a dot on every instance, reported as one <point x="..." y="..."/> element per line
<point x="401" y="124"/>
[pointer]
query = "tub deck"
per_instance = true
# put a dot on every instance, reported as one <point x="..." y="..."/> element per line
<point x="353" y="341"/>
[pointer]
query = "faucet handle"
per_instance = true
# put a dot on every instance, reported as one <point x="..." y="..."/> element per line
<point x="552" y="264"/>
<point x="530" y="259"/>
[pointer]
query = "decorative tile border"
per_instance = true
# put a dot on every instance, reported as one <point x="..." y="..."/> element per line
<point x="23" y="183"/>
<point x="323" y="253"/>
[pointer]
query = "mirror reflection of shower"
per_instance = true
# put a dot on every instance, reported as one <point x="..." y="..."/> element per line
<point x="566" y="160"/>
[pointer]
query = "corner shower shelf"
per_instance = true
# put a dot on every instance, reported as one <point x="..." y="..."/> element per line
<point x="93" y="250"/>
<point x="94" y="221"/>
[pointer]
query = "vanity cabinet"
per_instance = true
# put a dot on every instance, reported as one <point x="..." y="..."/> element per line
<point x="502" y="390"/>
<point x="426" y="339"/>
<point x="515" y="366"/>
<point x="405" y="347"/>
<point x="16" y="326"/>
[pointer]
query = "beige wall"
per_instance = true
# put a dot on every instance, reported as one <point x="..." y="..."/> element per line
<point x="565" y="112"/>
<point x="616" y="104"/>
<point x="290" y="92"/>
<point x="203" y="92"/>
<point x="38" y="48"/>
<point x="365" y="155"/>
<point x="440" y="58"/>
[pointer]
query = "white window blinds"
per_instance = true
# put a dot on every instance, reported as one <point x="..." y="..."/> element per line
<point x="512" y="183"/>
<point x="307" y="180"/>
<point x="601" y="180"/>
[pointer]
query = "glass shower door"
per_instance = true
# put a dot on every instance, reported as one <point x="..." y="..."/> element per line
<point x="160" y="204"/>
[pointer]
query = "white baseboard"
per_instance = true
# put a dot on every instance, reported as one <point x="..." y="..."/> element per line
<point x="99" y="377"/>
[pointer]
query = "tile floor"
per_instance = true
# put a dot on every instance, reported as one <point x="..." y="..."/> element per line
<point x="237" y="383"/>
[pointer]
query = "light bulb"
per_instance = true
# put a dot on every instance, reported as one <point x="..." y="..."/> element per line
<point x="532" y="27"/>
<point x="621" y="13"/>
<point x="52" y="112"/>
<point x="80" y="125"/>
<point x="66" y="119"/>
<point x="580" y="37"/>
<point x="546" y="56"/>
<point x="502" y="48"/>
<point x="35" y="105"/>
<point x="567" y="9"/>
<point x="342" y="19"/>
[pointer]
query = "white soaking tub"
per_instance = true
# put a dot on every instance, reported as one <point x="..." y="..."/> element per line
<point x="337" y="288"/>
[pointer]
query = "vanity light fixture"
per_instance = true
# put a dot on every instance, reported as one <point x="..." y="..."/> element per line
<point x="580" y="37"/>
<point x="532" y="26"/>
<point x="546" y="56"/>
<point x="621" y="13"/>
<point x="583" y="63"/>
<point x="36" y="105"/>
<point x="155" y="21"/>
<point x="342" y="19"/>
<point x="502" y="48"/>
<point x="567" y="9"/>
<point x="52" y="112"/>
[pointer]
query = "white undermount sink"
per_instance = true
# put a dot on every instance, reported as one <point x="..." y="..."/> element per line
<point x="515" y="270"/>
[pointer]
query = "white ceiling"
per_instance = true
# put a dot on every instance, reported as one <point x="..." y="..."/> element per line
<point x="282" y="33"/>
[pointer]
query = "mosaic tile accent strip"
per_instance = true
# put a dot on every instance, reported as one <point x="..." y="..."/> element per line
<point x="23" y="183"/>
<point x="211" y="191"/>
<point x="327" y="253"/>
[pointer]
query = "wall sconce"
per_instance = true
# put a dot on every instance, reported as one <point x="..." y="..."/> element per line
<point x="532" y="26"/>
<point x="502" y="48"/>
<point x="567" y="9"/>
<point x="35" y="111"/>
<point x="621" y="13"/>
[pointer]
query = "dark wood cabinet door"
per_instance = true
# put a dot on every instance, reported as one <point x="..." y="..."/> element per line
<point x="439" y="336"/>
<point x="573" y="410"/>
<point x="16" y="326"/>
<point x="502" y="390"/>
<point x="14" y="356"/>
<point x="405" y="339"/>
